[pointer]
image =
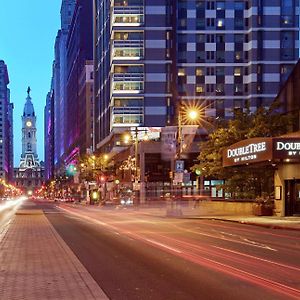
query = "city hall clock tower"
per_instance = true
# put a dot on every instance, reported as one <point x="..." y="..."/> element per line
<point x="29" y="157"/>
<point x="30" y="174"/>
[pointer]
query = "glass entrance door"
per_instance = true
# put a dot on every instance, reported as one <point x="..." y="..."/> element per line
<point x="292" y="197"/>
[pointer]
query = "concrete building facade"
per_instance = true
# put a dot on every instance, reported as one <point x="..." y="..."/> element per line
<point x="79" y="49"/>
<point x="60" y="82"/>
<point x="152" y="56"/>
<point x="6" y="126"/>
<point x="49" y="134"/>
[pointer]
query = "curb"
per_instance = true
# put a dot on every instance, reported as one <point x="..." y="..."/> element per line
<point x="272" y="226"/>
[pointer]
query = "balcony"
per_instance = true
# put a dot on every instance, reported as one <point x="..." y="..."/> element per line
<point x="127" y="116"/>
<point x="128" y="16"/>
<point x="128" y="83"/>
<point x="128" y="50"/>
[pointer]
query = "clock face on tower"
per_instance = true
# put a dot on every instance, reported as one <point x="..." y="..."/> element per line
<point x="28" y="124"/>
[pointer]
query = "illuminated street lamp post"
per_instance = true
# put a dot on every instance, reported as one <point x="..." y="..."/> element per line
<point x="187" y="115"/>
<point x="191" y="115"/>
<point x="137" y="173"/>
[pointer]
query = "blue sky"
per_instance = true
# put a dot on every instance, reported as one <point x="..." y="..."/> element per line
<point x="27" y="34"/>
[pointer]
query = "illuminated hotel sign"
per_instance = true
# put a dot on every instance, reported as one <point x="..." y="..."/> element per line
<point x="251" y="150"/>
<point x="287" y="148"/>
<point x="261" y="149"/>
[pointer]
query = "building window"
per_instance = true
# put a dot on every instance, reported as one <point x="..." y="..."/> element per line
<point x="220" y="56"/>
<point x="287" y="45"/>
<point x="287" y="13"/>
<point x="220" y="23"/>
<point x="220" y="5"/>
<point x="237" y="71"/>
<point x="238" y="89"/>
<point x="199" y="88"/>
<point x="181" y="72"/>
<point x="220" y="89"/>
<point x="199" y="71"/>
<point x="238" y="55"/>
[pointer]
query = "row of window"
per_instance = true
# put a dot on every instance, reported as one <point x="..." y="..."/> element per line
<point x="219" y="71"/>
<point x="213" y="23"/>
<point x="217" y="89"/>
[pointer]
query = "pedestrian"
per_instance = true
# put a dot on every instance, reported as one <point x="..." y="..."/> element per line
<point x="196" y="203"/>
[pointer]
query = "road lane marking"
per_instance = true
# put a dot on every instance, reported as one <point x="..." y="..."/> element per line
<point x="258" y="258"/>
<point x="254" y="243"/>
<point x="162" y="245"/>
<point x="244" y="275"/>
<point x="207" y="262"/>
<point x="226" y="239"/>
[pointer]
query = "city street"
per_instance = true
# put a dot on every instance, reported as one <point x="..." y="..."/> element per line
<point x="136" y="256"/>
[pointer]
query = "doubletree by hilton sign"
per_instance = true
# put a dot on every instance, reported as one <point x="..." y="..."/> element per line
<point x="261" y="149"/>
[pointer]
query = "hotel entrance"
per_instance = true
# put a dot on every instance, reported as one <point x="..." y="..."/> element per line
<point x="292" y="197"/>
<point x="283" y="154"/>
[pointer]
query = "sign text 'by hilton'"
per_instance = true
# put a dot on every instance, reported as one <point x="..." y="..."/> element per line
<point x="262" y="149"/>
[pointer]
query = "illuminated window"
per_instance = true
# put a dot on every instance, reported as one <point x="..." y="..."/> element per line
<point x="181" y="72"/>
<point x="199" y="89"/>
<point x="199" y="72"/>
<point x="220" y="23"/>
<point x="237" y="71"/>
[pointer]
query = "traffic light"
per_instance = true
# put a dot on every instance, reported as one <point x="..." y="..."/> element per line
<point x="171" y="174"/>
<point x="71" y="170"/>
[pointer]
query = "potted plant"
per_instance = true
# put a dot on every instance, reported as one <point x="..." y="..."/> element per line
<point x="263" y="206"/>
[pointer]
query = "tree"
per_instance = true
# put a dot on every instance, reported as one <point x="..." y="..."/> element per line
<point x="242" y="182"/>
<point x="90" y="166"/>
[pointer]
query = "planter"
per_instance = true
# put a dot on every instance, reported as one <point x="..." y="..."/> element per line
<point x="262" y="210"/>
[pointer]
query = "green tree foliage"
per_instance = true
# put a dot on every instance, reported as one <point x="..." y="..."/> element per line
<point x="91" y="166"/>
<point x="242" y="182"/>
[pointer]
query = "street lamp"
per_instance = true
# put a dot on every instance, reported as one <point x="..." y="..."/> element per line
<point x="127" y="138"/>
<point x="187" y="115"/>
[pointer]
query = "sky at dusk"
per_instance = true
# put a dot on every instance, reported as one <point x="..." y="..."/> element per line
<point x="27" y="35"/>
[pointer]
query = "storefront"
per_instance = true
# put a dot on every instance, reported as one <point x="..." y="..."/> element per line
<point x="283" y="153"/>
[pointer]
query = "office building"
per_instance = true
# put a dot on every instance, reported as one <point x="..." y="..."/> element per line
<point x="152" y="57"/>
<point x="79" y="49"/>
<point x="49" y="134"/>
<point x="6" y="126"/>
<point x="60" y="84"/>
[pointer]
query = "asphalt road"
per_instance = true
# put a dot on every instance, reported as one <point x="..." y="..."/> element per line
<point x="134" y="256"/>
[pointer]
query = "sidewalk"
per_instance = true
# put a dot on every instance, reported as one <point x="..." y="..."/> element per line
<point x="35" y="263"/>
<point x="289" y="223"/>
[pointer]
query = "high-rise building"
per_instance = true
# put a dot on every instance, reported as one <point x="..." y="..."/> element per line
<point x="152" y="57"/>
<point x="6" y="126"/>
<point x="30" y="173"/>
<point x="60" y="83"/>
<point x="79" y="81"/>
<point x="133" y="66"/>
<point x="49" y="134"/>
<point x="11" y="141"/>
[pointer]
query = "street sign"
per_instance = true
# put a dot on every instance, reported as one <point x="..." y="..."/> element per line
<point x="186" y="177"/>
<point x="178" y="178"/>
<point x="179" y="166"/>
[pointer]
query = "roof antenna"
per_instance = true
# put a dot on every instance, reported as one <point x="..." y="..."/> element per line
<point x="28" y="91"/>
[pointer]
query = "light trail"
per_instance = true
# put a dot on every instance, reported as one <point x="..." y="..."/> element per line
<point x="209" y="257"/>
<point x="12" y="203"/>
